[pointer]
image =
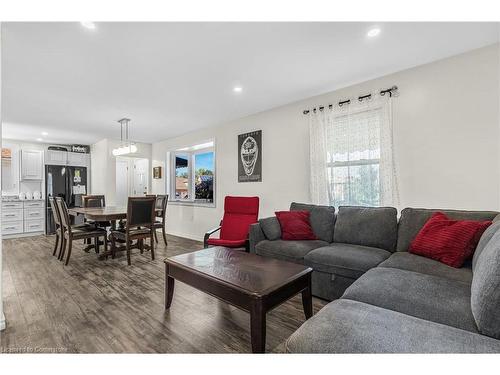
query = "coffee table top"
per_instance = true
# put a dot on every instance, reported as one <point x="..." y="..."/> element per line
<point x="251" y="273"/>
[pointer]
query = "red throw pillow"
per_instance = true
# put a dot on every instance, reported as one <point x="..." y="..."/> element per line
<point x="295" y="225"/>
<point x="450" y="242"/>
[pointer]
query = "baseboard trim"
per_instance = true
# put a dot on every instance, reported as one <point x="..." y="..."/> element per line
<point x="2" y="321"/>
<point x="186" y="235"/>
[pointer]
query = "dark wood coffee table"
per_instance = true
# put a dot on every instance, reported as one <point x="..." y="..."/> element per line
<point x="250" y="282"/>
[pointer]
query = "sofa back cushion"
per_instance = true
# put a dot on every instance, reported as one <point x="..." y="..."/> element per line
<point x="485" y="289"/>
<point x="413" y="219"/>
<point x="367" y="226"/>
<point x="322" y="219"/>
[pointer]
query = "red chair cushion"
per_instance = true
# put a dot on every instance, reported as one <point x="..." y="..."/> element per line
<point x="239" y="214"/>
<point x="226" y="243"/>
<point x="450" y="242"/>
<point x="295" y="225"/>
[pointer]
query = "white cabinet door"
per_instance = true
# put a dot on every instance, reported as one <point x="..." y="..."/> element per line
<point x="54" y="157"/>
<point x="31" y="165"/>
<point x="77" y="159"/>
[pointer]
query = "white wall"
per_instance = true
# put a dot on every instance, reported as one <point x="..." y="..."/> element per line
<point x="446" y="133"/>
<point x="103" y="167"/>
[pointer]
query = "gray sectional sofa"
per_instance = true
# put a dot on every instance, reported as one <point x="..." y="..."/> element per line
<point x="386" y="299"/>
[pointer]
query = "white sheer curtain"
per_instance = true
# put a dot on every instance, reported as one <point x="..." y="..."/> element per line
<point x="352" y="154"/>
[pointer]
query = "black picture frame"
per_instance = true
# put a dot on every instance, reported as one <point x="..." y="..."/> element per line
<point x="250" y="156"/>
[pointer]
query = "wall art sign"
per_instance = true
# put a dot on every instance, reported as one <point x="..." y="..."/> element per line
<point x="157" y="172"/>
<point x="250" y="157"/>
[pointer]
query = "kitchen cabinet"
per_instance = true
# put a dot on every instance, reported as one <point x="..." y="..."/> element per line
<point x="31" y="165"/>
<point x="54" y="157"/>
<point x="21" y="218"/>
<point x="76" y="159"/>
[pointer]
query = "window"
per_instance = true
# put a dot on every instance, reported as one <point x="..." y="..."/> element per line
<point x="353" y="159"/>
<point x="351" y="154"/>
<point x="193" y="174"/>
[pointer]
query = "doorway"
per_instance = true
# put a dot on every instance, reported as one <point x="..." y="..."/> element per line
<point x="132" y="178"/>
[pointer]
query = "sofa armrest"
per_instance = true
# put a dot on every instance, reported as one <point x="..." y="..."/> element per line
<point x="255" y="236"/>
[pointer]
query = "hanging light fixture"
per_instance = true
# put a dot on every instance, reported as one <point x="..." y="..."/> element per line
<point x="126" y="147"/>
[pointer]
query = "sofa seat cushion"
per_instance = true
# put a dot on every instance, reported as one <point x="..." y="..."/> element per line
<point x="411" y="262"/>
<point x="423" y="296"/>
<point x="345" y="326"/>
<point x="367" y="226"/>
<point x="345" y="259"/>
<point x="293" y="251"/>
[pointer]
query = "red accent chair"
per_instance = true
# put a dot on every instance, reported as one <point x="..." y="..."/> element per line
<point x="239" y="214"/>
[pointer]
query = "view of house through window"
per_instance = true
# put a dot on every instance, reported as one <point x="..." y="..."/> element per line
<point x="353" y="159"/>
<point x="193" y="173"/>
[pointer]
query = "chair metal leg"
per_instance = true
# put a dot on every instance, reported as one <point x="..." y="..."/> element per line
<point x="56" y="245"/>
<point x="70" y="245"/>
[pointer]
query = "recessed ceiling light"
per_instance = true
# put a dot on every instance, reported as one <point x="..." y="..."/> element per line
<point x="373" y="32"/>
<point x="88" y="25"/>
<point x="39" y="139"/>
<point x="237" y="89"/>
<point x="45" y="133"/>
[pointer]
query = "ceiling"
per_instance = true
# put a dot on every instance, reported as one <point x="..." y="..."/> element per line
<point x="173" y="78"/>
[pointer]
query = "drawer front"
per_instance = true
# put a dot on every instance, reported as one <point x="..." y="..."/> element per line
<point x="34" y="204"/>
<point x="33" y="226"/>
<point x="12" y="215"/>
<point x="12" y="227"/>
<point x="33" y="213"/>
<point x="11" y="205"/>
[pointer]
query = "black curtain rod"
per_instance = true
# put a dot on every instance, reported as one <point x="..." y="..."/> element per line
<point x="391" y="91"/>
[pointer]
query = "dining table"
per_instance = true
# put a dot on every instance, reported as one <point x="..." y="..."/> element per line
<point x="110" y="214"/>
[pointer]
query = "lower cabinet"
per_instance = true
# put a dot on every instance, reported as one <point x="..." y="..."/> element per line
<point x="23" y="217"/>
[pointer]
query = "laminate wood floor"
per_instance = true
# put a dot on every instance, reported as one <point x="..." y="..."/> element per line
<point x="93" y="306"/>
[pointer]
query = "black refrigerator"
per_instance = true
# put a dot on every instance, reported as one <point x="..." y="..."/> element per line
<point x="70" y="183"/>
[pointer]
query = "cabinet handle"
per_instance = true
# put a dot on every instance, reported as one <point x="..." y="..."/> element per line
<point x="10" y="215"/>
<point x="10" y="228"/>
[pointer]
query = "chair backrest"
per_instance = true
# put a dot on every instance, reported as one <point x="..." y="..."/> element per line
<point x="161" y="203"/>
<point x="63" y="212"/>
<point x="140" y="212"/>
<point x="55" y="211"/>
<point x="239" y="214"/>
<point x="93" y="201"/>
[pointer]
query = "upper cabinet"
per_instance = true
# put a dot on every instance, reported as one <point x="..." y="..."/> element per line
<point x="31" y="164"/>
<point x="10" y="169"/>
<point x="77" y="159"/>
<point x="54" y="157"/>
<point x="74" y="159"/>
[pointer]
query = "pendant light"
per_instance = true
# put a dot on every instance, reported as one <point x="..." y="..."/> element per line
<point x="126" y="147"/>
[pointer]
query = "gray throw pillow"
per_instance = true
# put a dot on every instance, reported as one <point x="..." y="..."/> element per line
<point x="271" y="228"/>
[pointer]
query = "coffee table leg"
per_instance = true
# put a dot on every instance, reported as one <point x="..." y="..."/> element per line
<point x="258" y="327"/>
<point x="169" y="288"/>
<point x="307" y="300"/>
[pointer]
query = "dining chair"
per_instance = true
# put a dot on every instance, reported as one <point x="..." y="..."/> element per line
<point x="138" y="227"/>
<point x="161" y="204"/>
<point x="95" y="201"/>
<point x="59" y="228"/>
<point x="77" y="232"/>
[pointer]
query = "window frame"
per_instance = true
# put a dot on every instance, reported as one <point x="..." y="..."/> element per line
<point x="191" y="154"/>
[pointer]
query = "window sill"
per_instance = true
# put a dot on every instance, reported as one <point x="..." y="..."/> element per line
<point x="191" y="203"/>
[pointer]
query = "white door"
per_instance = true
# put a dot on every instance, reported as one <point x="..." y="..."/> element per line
<point x="140" y="177"/>
<point x="121" y="182"/>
